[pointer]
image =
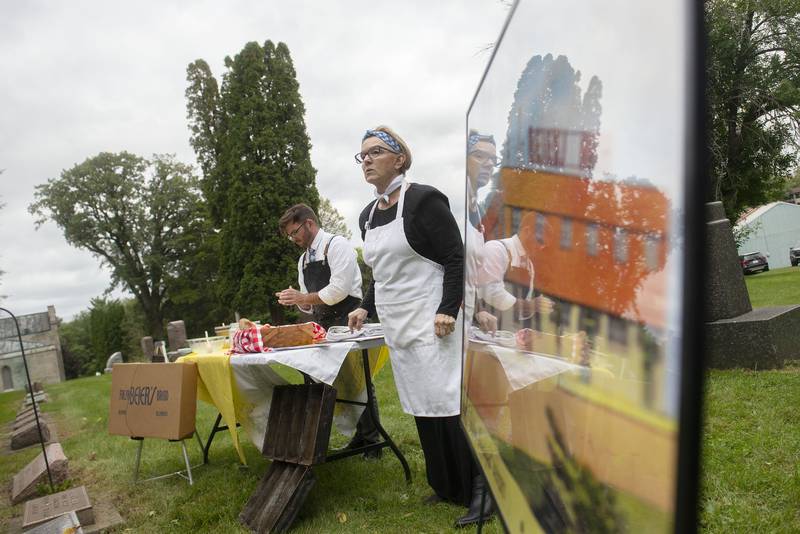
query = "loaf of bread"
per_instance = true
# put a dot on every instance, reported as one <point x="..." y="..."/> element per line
<point x="292" y="335"/>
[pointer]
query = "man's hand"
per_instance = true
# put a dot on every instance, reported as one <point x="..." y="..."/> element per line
<point x="443" y="324"/>
<point x="356" y="318"/>
<point x="544" y="305"/>
<point x="486" y="322"/>
<point x="290" y="297"/>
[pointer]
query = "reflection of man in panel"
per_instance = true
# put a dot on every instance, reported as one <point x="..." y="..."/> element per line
<point x="499" y="256"/>
<point x="330" y="288"/>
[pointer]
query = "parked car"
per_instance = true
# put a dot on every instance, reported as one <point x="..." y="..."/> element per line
<point x="794" y="255"/>
<point x="753" y="262"/>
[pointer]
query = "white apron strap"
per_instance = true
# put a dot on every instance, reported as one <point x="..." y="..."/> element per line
<point x="368" y="225"/>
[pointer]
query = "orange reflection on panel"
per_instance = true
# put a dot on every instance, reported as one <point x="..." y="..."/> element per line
<point x="618" y="238"/>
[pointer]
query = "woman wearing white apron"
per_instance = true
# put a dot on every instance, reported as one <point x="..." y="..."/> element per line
<point x="413" y="245"/>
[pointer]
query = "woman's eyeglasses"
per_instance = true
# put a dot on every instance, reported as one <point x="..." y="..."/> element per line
<point x="484" y="157"/>
<point x="373" y="153"/>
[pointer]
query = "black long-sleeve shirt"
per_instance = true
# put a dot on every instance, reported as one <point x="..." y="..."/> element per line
<point x="432" y="232"/>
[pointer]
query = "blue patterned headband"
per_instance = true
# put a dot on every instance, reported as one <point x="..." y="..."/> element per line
<point x="473" y="139"/>
<point x="385" y="137"/>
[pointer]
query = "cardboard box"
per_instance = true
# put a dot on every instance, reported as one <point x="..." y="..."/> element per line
<point x="153" y="400"/>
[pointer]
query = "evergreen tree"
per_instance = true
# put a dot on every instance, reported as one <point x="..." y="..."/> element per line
<point x="251" y="142"/>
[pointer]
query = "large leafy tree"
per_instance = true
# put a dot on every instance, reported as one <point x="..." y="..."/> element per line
<point x="142" y="218"/>
<point x="250" y="138"/>
<point x="754" y="98"/>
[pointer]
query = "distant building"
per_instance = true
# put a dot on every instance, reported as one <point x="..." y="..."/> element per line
<point x="776" y="228"/>
<point x="42" y="346"/>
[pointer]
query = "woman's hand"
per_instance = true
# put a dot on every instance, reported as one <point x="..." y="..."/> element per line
<point x="356" y="318"/>
<point x="443" y="324"/>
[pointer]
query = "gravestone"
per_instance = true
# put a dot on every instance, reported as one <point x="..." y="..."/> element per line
<point x="28" y="435"/>
<point x="25" y="410"/>
<point x="38" y="397"/>
<point x="37" y="386"/>
<point x="23" y="485"/>
<point x="68" y="522"/>
<point x="43" y="509"/>
<point x="176" y="336"/>
<point x="736" y="334"/>
<point x="27" y="419"/>
<point x="148" y="348"/>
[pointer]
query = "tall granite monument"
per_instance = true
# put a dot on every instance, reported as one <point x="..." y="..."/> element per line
<point x="738" y="336"/>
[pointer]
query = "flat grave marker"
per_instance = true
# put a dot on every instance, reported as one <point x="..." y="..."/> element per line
<point x="64" y="523"/>
<point x="45" y="508"/>
<point x="23" y="485"/>
<point x="28" y="435"/>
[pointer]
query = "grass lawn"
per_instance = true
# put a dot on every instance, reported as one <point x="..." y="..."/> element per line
<point x="774" y="288"/>
<point x="351" y="495"/>
<point x="751" y="441"/>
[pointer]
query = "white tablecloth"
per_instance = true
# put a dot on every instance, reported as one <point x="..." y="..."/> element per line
<point x="336" y="364"/>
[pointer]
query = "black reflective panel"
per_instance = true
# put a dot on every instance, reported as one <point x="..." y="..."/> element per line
<point x="577" y="223"/>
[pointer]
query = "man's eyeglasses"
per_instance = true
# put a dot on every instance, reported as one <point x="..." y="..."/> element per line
<point x="373" y="153"/>
<point x="291" y="235"/>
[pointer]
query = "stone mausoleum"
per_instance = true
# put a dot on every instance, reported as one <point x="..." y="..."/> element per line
<point x="42" y="350"/>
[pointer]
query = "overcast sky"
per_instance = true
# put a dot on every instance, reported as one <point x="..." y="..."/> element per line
<point x="79" y="78"/>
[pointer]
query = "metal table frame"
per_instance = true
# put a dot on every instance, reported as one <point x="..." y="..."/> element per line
<point x="364" y="346"/>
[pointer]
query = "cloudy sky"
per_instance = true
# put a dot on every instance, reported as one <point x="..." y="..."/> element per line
<point x="83" y="77"/>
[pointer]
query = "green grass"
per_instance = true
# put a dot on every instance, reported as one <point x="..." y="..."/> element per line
<point x="774" y="288"/>
<point x="350" y="495"/>
<point x="751" y="441"/>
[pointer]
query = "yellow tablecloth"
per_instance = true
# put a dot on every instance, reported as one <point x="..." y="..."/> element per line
<point x="217" y="385"/>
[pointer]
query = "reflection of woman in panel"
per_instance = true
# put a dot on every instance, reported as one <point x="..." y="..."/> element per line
<point x="481" y="161"/>
<point x="413" y="245"/>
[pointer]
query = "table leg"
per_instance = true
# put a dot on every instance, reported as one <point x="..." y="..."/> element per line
<point x="216" y="428"/>
<point x="371" y="407"/>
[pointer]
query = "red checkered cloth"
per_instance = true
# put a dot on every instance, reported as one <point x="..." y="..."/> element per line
<point x="319" y="333"/>
<point x="247" y="341"/>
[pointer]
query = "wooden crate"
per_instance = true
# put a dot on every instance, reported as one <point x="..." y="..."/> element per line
<point x="278" y="497"/>
<point x="299" y="424"/>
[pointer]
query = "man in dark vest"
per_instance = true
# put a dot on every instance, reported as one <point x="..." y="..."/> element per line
<point x="329" y="283"/>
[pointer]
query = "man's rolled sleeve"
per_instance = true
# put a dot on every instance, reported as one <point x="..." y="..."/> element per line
<point x="491" y="278"/>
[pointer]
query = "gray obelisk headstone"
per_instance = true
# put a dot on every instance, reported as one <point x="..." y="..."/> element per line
<point x="176" y="336"/>
<point x="148" y="348"/>
<point x="736" y="334"/>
